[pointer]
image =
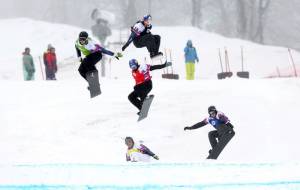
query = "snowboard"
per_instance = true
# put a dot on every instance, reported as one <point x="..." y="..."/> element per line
<point x="145" y="107"/>
<point x="94" y="85"/>
<point x="216" y="151"/>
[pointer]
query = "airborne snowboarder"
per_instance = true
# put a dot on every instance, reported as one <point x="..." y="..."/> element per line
<point x="221" y="136"/>
<point x="93" y="54"/>
<point x="142" y="37"/>
<point x="143" y="82"/>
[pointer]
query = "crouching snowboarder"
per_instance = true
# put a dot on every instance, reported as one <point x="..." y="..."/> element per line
<point x="221" y="136"/>
<point x="138" y="153"/>
<point x="143" y="82"/>
<point x="92" y="52"/>
<point x="142" y="37"/>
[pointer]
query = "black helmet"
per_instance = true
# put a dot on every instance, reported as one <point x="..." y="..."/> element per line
<point x="83" y="35"/>
<point x="212" y="108"/>
<point x="129" y="139"/>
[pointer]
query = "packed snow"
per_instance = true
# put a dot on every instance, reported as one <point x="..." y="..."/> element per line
<point x="53" y="136"/>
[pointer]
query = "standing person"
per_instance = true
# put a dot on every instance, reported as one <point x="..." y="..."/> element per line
<point x="191" y="57"/>
<point x="221" y="136"/>
<point x="101" y="30"/>
<point x="137" y="153"/>
<point x="143" y="82"/>
<point x="50" y="63"/>
<point x="28" y="65"/>
<point x="142" y="37"/>
<point x="92" y="52"/>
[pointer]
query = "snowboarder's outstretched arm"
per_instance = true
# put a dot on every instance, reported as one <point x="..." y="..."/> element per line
<point x="154" y="67"/>
<point x="197" y="125"/>
<point x="107" y="52"/>
<point x="146" y="150"/>
<point x="130" y="39"/>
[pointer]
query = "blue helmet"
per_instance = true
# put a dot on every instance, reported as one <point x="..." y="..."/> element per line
<point x="133" y="64"/>
<point x="147" y="17"/>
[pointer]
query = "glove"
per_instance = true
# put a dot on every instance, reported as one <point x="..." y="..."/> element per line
<point x="118" y="55"/>
<point x="155" y="157"/>
<point x="124" y="47"/>
<point x="186" y="128"/>
<point x="168" y="64"/>
<point x="80" y="59"/>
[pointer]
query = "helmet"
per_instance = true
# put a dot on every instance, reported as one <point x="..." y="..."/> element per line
<point x="133" y="64"/>
<point x="147" y="17"/>
<point x="211" y="108"/>
<point x="83" y="35"/>
<point x="129" y="139"/>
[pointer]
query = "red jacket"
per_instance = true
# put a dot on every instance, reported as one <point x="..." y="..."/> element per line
<point x="50" y="60"/>
<point x="142" y="74"/>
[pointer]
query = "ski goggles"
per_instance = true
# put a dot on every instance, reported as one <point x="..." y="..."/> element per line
<point x="82" y="40"/>
<point x="212" y="113"/>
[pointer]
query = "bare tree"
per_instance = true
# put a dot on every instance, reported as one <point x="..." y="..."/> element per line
<point x="262" y="9"/>
<point x="242" y="21"/>
<point x="129" y="12"/>
<point x="196" y="13"/>
<point x="251" y="19"/>
<point x="224" y="16"/>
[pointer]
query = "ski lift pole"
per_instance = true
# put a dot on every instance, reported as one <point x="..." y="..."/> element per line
<point x="227" y="61"/>
<point x="170" y="51"/>
<point x="293" y="63"/>
<point x="41" y="68"/>
<point x="166" y="57"/>
<point x="221" y="60"/>
<point x="242" y="57"/>
<point x="109" y="63"/>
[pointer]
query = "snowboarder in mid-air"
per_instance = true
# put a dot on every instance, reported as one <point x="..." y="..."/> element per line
<point x="142" y="37"/>
<point x="221" y="136"/>
<point x="93" y="54"/>
<point x="137" y="153"/>
<point x="143" y="82"/>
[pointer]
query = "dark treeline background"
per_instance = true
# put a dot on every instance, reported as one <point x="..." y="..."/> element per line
<point x="273" y="22"/>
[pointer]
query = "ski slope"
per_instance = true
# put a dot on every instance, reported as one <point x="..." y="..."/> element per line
<point x="51" y="128"/>
<point x="53" y="136"/>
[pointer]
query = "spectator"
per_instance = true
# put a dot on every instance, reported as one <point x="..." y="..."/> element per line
<point x="190" y="54"/>
<point x="101" y="30"/>
<point x="28" y="65"/>
<point x="50" y="63"/>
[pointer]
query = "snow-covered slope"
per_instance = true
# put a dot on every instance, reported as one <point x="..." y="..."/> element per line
<point x="52" y="134"/>
<point x="20" y="33"/>
<point x="47" y="128"/>
<point x="57" y="122"/>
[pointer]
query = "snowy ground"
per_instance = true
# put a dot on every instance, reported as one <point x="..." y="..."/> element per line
<point x="49" y="127"/>
<point x="53" y="136"/>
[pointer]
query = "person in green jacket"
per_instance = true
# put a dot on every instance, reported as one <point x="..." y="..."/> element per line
<point x="28" y="65"/>
<point x="93" y="54"/>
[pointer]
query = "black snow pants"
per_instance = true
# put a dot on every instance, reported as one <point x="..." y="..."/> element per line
<point x="223" y="133"/>
<point x="140" y="93"/>
<point x="152" y="42"/>
<point x="88" y="63"/>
